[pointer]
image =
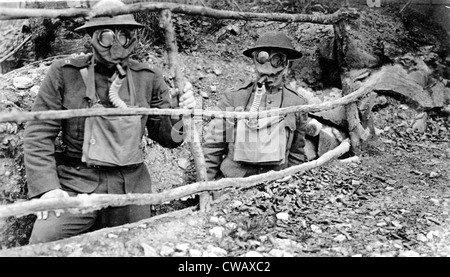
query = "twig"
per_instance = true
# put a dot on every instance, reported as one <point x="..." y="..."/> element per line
<point x="15" y="13"/>
<point x="86" y="203"/>
<point x="405" y="6"/>
<point x="15" y="50"/>
<point x="18" y="116"/>
<point x="236" y="4"/>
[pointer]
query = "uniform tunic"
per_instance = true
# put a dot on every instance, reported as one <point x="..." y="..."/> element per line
<point x="63" y="88"/>
<point x="219" y="142"/>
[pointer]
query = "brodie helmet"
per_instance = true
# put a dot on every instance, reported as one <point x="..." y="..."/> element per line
<point x="103" y="21"/>
<point x="275" y="40"/>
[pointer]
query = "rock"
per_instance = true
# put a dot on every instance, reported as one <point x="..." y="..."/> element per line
<point x="276" y="253"/>
<point x="236" y="204"/>
<point x="309" y="96"/>
<point x="204" y="94"/>
<point x="313" y="127"/>
<point x="166" y="251"/>
<point x="421" y="237"/>
<point x="283" y="243"/>
<point x="217" y="232"/>
<point x="327" y="141"/>
<point x="148" y="250"/>
<point x="222" y="220"/>
<point x="437" y="93"/>
<point x="316" y="229"/>
<point x="354" y="159"/>
<point x="34" y="90"/>
<point x="22" y="82"/>
<point x="446" y="96"/>
<point x="231" y="225"/>
<point x="399" y="81"/>
<point x="213" y="88"/>
<point x="340" y="238"/>
<point x="195" y="253"/>
<point x="214" y="219"/>
<point x="183" y="163"/>
<point x="217" y="251"/>
<point x="433" y="174"/>
<point x="182" y="247"/>
<point x="336" y="115"/>
<point x="408" y="253"/>
<point x="253" y="254"/>
<point x="283" y="216"/>
<point x="420" y="122"/>
<point x="380" y="100"/>
<point x="310" y="150"/>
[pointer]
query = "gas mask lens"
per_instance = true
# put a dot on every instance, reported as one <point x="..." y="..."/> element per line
<point x="106" y="37"/>
<point x="277" y="59"/>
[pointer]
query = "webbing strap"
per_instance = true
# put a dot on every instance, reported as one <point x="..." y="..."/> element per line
<point x="88" y="75"/>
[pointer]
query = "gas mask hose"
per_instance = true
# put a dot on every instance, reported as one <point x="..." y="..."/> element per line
<point x="114" y="89"/>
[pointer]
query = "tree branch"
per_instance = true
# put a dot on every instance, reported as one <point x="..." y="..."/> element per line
<point x="191" y="130"/>
<point x="19" y="116"/>
<point x="87" y="203"/>
<point x="15" y="50"/>
<point x="16" y="13"/>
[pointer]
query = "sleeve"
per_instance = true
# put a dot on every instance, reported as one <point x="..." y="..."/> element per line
<point x="164" y="129"/>
<point x="39" y="137"/>
<point x="218" y="133"/>
<point x="297" y="152"/>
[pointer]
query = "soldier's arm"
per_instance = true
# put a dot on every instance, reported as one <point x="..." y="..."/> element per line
<point x="297" y="151"/>
<point x="39" y="137"/>
<point x="164" y="129"/>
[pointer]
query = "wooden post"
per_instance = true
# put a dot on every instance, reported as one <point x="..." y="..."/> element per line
<point x="189" y="125"/>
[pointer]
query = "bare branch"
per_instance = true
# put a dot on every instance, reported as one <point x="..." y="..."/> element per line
<point x="16" y="13"/>
<point x="18" y="116"/>
<point x="15" y="50"/>
<point x="86" y="203"/>
<point x="191" y="131"/>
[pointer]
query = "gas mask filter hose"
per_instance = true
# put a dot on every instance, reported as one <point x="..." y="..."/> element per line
<point x="114" y="89"/>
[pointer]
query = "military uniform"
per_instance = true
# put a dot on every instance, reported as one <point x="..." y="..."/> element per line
<point x="64" y="88"/>
<point x="219" y="143"/>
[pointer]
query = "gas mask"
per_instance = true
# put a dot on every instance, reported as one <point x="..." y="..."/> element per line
<point x="113" y="46"/>
<point x="271" y="64"/>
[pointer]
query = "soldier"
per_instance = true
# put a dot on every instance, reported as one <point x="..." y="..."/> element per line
<point x="240" y="148"/>
<point x="100" y="154"/>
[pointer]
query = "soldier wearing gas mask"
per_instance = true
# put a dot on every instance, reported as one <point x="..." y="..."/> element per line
<point x="245" y="147"/>
<point x="99" y="154"/>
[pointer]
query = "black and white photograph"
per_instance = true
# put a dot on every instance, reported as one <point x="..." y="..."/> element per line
<point x="226" y="134"/>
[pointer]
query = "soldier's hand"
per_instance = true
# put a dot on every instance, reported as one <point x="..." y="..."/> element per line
<point x="187" y="100"/>
<point x="56" y="193"/>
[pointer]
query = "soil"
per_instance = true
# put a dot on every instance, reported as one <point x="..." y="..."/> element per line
<point x="392" y="201"/>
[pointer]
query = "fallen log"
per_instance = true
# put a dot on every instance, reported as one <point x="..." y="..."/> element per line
<point x="86" y="203"/>
<point x="21" y="116"/>
<point x="17" y="13"/>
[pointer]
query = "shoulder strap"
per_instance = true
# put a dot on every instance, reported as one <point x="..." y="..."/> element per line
<point x="88" y="76"/>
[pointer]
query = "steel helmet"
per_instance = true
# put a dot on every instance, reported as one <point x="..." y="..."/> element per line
<point x="275" y="40"/>
<point x="117" y="20"/>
